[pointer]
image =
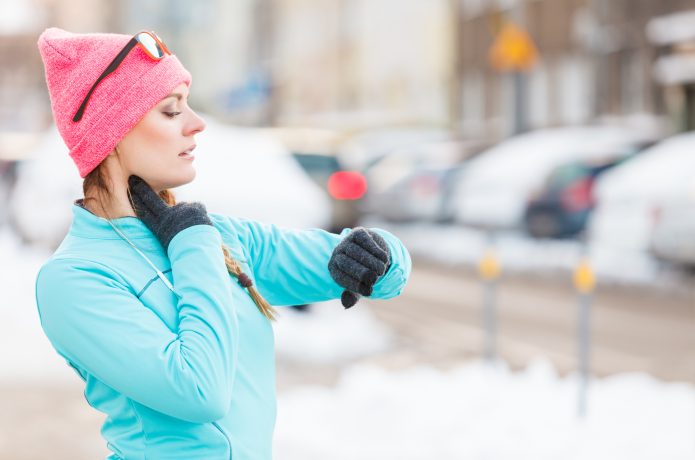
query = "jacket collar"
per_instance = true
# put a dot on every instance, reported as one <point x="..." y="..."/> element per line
<point x="88" y="225"/>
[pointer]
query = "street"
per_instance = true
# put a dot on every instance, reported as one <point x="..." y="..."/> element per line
<point x="439" y="319"/>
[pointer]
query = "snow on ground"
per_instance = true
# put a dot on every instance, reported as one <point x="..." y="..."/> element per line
<point x="479" y="412"/>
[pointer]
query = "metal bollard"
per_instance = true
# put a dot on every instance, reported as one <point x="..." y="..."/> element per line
<point x="490" y="270"/>
<point x="584" y="283"/>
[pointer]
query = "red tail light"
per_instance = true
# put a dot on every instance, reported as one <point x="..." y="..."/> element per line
<point x="347" y="185"/>
<point x="579" y="196"/>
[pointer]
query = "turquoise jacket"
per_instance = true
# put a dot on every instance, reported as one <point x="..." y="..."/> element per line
<point x="188" y="374"/>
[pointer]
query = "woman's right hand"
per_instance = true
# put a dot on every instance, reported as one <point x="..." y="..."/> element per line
<point x="163" y="220"/>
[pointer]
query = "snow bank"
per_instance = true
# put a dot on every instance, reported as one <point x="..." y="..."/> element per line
<point x="477" y="412"/>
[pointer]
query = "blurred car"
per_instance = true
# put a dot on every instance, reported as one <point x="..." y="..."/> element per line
<point x="424" y="194"/>
<point x="498" y="183"/>
<point x="561" y="207"/>
<point x="630" y="197"/>
<point x="316" y="151"/>
<point x="365" y="148"/>
<point x="239" y="173"/>
<point x="673" y="234"/>
<point x="415" y="182"/>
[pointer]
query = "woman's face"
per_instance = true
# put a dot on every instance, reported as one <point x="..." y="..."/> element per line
<point x="153" y="148"/>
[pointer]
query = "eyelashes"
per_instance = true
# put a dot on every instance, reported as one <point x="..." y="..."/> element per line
<point x="172" y="114"/>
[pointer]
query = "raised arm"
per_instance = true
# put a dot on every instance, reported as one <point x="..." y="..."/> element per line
<point x="291" y="266"/>
<point x="96" y="322"/>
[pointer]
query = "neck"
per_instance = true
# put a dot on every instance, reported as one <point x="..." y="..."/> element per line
<point x="117" y="205"/>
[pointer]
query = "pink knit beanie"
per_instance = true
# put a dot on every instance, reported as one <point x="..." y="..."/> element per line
<point x="73" y="62"/>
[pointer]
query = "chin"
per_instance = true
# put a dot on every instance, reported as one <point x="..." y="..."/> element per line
<point x="187" y="179"/>
<point x="184" y="178"/>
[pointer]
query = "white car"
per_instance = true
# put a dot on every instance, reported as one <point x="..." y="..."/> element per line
<point x="673" y="235"/>
<point x="497" y="184"/>
<point x="239" y="173"/>
<point x="631" y="196"/>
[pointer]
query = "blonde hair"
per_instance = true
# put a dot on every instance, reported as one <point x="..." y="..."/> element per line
<point x="97" y="179"/>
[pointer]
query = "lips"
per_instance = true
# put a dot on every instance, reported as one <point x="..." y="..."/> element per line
<point x="187" y="154"/>
<point x="189" y="150"/>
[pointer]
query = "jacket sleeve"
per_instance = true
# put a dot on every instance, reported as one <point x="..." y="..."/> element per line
<point x="93" y="319"/>
<point x="291" y="266"/>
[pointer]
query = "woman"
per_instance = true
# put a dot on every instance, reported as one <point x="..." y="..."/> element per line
<point x="138" y="298"/>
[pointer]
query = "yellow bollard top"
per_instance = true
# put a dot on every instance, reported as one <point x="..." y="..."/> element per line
<point x="584" y="278"/>
<point x="489" y="267"/>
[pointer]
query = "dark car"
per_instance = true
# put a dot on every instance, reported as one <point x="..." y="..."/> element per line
<point x="562" y="206"/>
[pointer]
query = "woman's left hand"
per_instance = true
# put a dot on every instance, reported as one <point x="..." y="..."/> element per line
<point x="357" y="263"/>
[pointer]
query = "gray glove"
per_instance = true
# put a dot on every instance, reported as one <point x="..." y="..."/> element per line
<point x="163" y="220"/>
<point x="357" y="263"/>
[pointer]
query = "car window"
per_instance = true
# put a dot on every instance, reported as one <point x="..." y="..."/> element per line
<point x="319" y="167"/>
<point x="565" y="175"/>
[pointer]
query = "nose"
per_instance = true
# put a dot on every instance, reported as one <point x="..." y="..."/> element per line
<point x="195" y="125"/>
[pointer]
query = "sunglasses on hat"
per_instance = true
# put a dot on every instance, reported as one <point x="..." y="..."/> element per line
<point x="149" y="42"/>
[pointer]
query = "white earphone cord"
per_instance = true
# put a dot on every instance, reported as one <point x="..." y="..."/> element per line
<point x="159" y="273"/>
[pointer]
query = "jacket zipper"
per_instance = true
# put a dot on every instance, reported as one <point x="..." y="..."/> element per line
<point x="229" y="443"/>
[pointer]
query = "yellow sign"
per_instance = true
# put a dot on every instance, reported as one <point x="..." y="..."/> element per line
<point x="513" y="49"/>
